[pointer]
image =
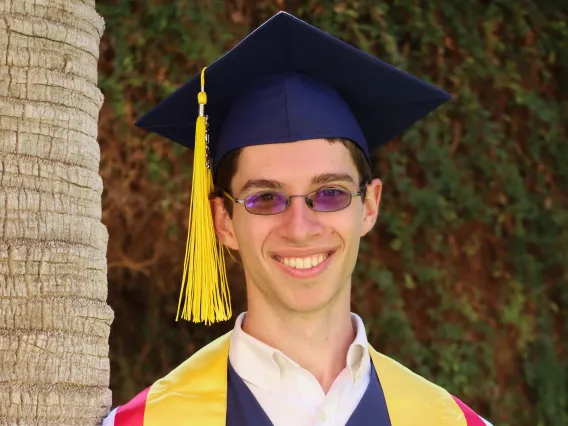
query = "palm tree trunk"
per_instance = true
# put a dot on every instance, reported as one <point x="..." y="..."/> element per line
<point x="54" y="319"/>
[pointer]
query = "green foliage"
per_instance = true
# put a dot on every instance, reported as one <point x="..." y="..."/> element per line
<point x="464" y="279"/>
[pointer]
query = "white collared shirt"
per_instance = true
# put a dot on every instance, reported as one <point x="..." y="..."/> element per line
<point x="291" y="395"/>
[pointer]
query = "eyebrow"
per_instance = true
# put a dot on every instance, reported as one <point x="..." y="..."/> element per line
<point x="262" y="183"/>
<point x="320" y="179"/>
<point x="332" y="177"/>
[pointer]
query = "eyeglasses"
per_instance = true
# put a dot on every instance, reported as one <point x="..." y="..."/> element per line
<point x="321" y="200"/>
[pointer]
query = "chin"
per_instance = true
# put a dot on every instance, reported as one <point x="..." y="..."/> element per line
<point x="303" y="303"/>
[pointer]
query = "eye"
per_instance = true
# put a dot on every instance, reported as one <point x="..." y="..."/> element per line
<point x="329" y="192"/>
<point x="263" y="197"/>
<point x="266" y="196"/>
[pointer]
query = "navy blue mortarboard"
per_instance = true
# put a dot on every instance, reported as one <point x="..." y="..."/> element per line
<point x="289" y="81"/>
<point x="285" y="82"/>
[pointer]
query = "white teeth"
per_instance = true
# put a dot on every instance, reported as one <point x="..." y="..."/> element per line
<point x="303" y="262"/>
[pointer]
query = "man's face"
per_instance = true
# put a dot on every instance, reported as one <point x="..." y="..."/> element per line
<point x="269" y="246"/>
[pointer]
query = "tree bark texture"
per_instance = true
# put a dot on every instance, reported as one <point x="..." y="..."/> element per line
<point x="54" y="319"/>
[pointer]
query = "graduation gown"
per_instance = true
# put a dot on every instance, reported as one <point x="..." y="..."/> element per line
<point x="206" y="391"/>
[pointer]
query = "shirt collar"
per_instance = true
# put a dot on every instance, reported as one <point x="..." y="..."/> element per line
<point x="261" y="364"/>
<point x="358" y="358"/>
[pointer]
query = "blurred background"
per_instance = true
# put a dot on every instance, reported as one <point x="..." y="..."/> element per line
<point x="465" y="277"/>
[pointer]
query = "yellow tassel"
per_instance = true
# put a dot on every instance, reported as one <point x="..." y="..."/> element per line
<point x="204" y="283"/>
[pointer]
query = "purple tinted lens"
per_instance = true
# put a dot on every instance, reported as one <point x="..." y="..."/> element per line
<point x="266" y="203"/>
<point x="330" y="199"/>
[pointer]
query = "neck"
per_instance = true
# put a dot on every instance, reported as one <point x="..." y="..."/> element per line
<point x="318" y="341"/>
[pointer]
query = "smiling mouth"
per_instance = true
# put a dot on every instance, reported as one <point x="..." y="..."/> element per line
<point x="305" y="262"/>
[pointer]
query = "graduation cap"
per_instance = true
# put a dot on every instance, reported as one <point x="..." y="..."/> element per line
<point x="286" y="81"/>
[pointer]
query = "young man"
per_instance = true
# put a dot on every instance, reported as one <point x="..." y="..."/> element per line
<point x="292" y="116"/>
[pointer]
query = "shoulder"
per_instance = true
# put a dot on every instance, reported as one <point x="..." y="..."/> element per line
<point x="129" y="414"/>
<point x="471" y="417"/>
<point x="205" y="370"/>
<point x="410" y="395"/>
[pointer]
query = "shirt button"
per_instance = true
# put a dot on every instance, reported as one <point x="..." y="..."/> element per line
<point x="322" y="416"/>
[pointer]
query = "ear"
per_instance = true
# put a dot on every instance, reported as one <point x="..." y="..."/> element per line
<point x="223" y="224"/>
<point x="371" y="205"/>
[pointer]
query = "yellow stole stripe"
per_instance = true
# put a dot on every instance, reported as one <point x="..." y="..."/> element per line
<point x="196" y="393"/>
<point x="410" y="397"/>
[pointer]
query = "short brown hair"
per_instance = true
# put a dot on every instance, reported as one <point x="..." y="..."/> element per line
<point x="227" y="168"/>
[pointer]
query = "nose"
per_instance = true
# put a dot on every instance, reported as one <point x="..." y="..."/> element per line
<point x="300" y="224"/>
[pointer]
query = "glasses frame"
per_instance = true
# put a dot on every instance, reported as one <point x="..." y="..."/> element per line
<point x="308" y="201"/>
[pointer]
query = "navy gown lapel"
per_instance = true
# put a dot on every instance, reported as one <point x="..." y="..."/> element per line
<point x="242" y="407"/>
<point x="244" y="410"/>
<point x="372" y="409"/>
